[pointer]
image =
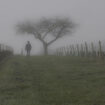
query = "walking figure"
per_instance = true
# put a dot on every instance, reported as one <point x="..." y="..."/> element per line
<point x="28" y="48"/>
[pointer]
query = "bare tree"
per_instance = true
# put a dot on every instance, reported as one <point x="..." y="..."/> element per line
<point x="47" y="30"/>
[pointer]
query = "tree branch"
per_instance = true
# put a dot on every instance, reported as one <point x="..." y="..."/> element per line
<point x="38" y="36"/>
<point x="46" y="34"/>
<point x="49" y="30"/>
<point x="58" y="36"/>
<point x="52" y="41"/>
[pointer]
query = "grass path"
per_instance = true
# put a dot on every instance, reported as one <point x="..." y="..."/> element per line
<point x="52" y="81"/>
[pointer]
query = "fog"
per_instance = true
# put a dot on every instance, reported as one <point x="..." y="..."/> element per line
<point x="89" y="14"/>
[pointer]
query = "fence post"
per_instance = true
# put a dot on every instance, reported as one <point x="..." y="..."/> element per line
<point x="100" y="49"/>
<point x="93" y="50"/>
<point x="78" y="52"/>
<point x="73" y="50"/>
<point x="0" y="47"/>
<point x="82" y="50"/>
<point x="67" y="51"/>
<point x="58" y="52"/>
<point x="86" y="49"/>
<point x="64" y="51"/>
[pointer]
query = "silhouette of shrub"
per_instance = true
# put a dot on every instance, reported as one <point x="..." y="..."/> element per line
<point x="4" y="54"/>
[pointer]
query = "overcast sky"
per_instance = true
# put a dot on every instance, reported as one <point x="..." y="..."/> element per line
<point x="89" y="14"/>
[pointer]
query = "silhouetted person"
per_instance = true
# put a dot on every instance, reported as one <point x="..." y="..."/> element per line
<point x="28" y="48"/>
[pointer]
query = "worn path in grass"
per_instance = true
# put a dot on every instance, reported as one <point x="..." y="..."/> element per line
<point x="52" y="81"/>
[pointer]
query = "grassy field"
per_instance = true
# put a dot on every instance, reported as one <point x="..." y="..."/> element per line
<point x="52" y="81"/>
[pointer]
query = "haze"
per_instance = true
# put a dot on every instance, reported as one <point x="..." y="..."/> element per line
<point x="89" y="14"/>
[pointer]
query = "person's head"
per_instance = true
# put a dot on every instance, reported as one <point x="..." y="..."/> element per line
<point x="28" y="41"/>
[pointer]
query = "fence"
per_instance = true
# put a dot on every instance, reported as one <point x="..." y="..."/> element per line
<point x="83" y="50"/>
<point x="5" y="51"/>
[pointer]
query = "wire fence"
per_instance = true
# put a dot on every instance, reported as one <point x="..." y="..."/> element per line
<point x="82" y="50"/>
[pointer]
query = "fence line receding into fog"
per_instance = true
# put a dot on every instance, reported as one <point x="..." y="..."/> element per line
<point x="83" y="50"/>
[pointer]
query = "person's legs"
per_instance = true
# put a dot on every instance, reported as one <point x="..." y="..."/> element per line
<point x="28" y="52"/>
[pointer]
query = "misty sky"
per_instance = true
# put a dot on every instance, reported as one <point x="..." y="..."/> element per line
<point x="89" y="14"/>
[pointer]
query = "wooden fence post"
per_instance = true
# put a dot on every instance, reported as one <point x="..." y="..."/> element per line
<point x="64" y="51"/>
<point x="100" y="49"/>
<point x="58" y="52"/>
<point x="93" y="50"/>
<point x="86" y="49"/>
<point x="82" y="50"/>
<point x="67" y="51"/>
<point x="78" y="52"/>
<point x="73" y="50"/>
<point x="0" y="47"/>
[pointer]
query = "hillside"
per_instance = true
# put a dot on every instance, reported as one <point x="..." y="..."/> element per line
<point x="52" y="81"/>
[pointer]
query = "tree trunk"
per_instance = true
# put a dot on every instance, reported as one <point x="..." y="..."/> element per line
<point x="45" y="46"/>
